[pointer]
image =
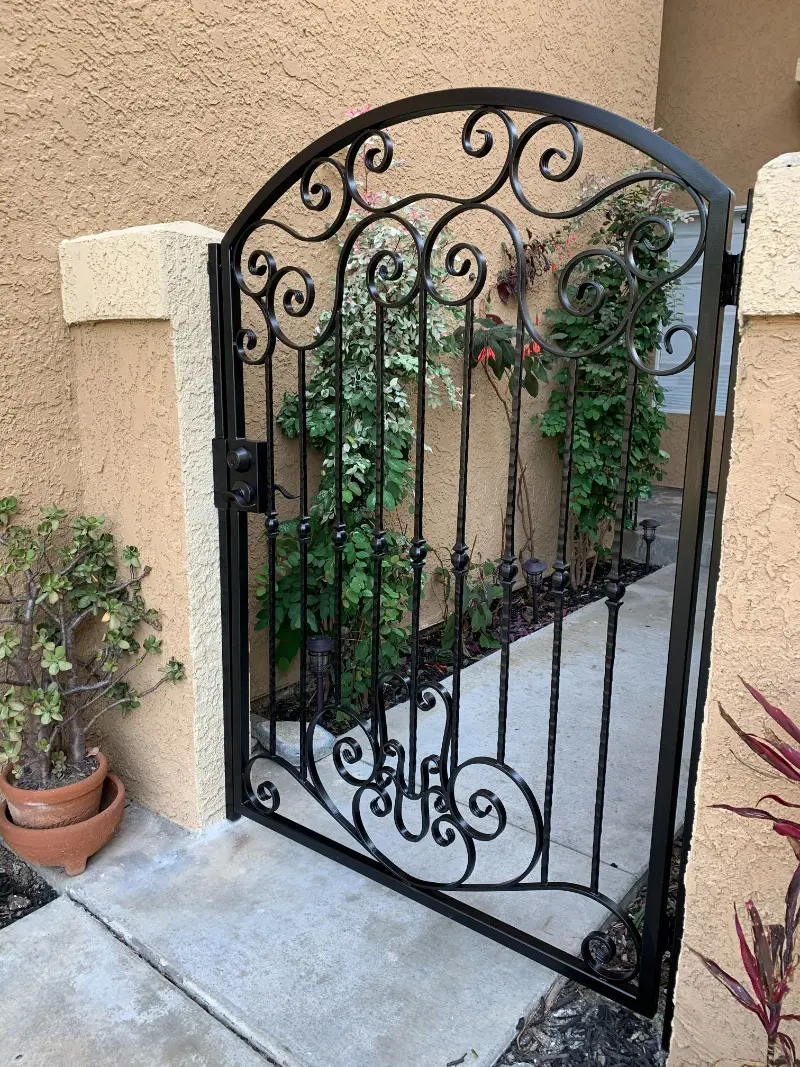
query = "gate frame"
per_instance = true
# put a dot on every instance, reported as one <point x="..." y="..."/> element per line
<point x="718" y="289"/>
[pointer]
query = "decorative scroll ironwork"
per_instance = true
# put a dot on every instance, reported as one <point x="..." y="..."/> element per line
<point x="316" y="196"/>
<point x="386" y="780"/>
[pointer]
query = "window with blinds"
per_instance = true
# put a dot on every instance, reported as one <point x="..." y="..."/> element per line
<point x="678" y="388"/>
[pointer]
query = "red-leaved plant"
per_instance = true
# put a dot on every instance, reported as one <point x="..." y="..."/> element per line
<point x="769" y="955"/>
<point x="781" y="756"/>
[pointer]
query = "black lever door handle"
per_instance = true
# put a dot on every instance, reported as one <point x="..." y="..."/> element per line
<point x="242" y="494"/>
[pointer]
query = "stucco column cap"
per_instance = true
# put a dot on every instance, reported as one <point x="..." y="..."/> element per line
<point x="128" y="274"/>
<point x="771" y="282"/>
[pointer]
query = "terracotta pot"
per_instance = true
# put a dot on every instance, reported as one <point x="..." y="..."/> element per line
<point x="68" y="846"/>
<point x="62" y="806"/>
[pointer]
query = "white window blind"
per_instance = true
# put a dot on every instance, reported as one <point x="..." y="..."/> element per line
<point x="678" y="387"/>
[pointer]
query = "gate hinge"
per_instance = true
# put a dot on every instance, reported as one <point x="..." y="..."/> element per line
<point x="240" y="474"/>
<point x="731" y="279"/>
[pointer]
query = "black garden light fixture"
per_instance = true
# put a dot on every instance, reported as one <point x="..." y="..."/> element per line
<point x="648" y="528"/>
<point x="319" y="648"/>
<point x="534" y="569"/>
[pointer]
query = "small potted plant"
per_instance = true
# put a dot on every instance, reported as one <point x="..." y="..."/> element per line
<point x="70" y="630"/>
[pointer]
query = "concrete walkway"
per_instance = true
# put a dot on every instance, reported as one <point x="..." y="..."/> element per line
<point x="74" y="996"/>
<point x="316" y="966"/>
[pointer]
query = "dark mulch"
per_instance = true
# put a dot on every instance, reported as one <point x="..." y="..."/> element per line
<point x="434" y="666"/>
<point x="574" y="1027"/>
<point x="21" y="889"/>
<point x="72" y="773"/>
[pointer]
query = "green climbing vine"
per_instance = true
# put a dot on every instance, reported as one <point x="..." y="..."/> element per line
<point x="601" y="380"/>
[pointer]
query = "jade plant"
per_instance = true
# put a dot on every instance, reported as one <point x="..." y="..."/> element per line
<point x="72" y="622"/>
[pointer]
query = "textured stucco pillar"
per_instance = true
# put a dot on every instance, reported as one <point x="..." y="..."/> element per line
<point x="756" y="635"/>
<point x="138" y="307"/>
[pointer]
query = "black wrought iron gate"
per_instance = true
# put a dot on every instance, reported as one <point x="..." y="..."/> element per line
<point x="397" y="780"/>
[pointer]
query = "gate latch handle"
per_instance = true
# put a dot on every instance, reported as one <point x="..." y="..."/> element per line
<point x="242" y="495"/>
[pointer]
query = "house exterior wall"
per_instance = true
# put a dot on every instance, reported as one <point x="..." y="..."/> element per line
<point x="727" y="84"/>
<point x="728" y="95"/>
<point x="756" y="636"/>
<point x="674" y="440"/>
<point x="120" y="114"/>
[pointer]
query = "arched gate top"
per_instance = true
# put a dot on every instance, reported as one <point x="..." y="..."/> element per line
<point x="467" y="99"/>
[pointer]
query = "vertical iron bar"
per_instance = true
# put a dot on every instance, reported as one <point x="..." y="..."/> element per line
<point x="508" y="564"/>
<point x="460" y="554"/>
<point x="419" y="549"/>
<point x="378" y="543"/>
<point x="232" y="762"/>
<point x="304" y="535"/>
<point x="236" y="645"/>
<point x="272" y="526"/>
<point x="558" y="585"/>
<point x="339" y="535"/>
<point x="705" y="659"/>
<point x="684" y="600"/>
<point x="615" y="591"/>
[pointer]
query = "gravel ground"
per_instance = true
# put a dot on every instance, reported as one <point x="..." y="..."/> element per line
<point x="574" y="1027"/>
<point x="21" y="889"/>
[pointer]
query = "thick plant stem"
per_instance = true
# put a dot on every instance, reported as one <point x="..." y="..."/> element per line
<point x="77" y="729"/>
<point x="77" y="742"/>
<point x="523" y="496"/>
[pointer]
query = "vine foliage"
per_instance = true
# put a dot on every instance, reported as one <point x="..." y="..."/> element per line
<point x="601" y="380"/>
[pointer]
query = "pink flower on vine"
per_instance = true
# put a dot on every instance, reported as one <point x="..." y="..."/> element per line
<point x="534" y="348"/>
<point x="354" y="112"/>
<point x="485" y="354"/>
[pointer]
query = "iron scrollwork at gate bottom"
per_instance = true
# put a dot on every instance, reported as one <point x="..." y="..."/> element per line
<point x="386" y="790"/>
<point x="388" y="778"/>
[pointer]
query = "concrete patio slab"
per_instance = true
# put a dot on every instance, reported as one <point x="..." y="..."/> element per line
<point x="664" y="507"/>
<point x="313" y="964"/>
<point x="634" y="738"/>
<point x="73" y="996"/>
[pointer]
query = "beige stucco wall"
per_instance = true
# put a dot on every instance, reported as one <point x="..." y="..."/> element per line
<point x="727" y="88"/>
<point x="756" y="635"/>
<point x="127" y="366"/>
<point x="675" y="439"/>
<point x="121" y="114"/>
